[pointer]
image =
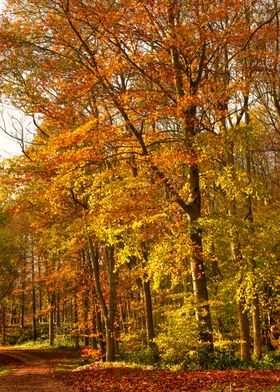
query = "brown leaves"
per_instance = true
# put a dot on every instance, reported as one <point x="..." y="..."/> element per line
<point x="126" y="379"/>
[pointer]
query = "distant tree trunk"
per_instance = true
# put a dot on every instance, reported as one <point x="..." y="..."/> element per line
<point x="140" y="316"/>
<point x="98" y="340"/>
<point x="76" y="320"/>
<point x="94" y="342"/>
<point x="110" y="321"/>
<point x="243" y="318"/>
<point x="93" y="319"/>
<point x="51" y="327"/>
<point x="257" y="332"/>
<point x="51" y="319"/>
<point x="3" y="321"/>
<point x="40" y="318"/>
<point x="256" y="319"/>
<point x="255" y="306"/>
<point x="22" y="301"/>
<point x="86" y="319"/>
<point x="123" y="316"/>
<point x="100" y="336"/>
<point x="150" y="333"/>
<point x="148" y="306"/>
<point x="34" y="316"/>
<point x="57" y="310"/>
<point x="64" y="311"/>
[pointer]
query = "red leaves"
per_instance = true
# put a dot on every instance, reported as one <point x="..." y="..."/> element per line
<point x="90" y="353"/>
<point x="127" y="379"/>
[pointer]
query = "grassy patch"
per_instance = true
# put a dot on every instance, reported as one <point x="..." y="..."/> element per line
<point x="67" y="365"/>
<point x="5" y="370"/>
<point x="30" y="345"/>
<point x="42" y="344"/>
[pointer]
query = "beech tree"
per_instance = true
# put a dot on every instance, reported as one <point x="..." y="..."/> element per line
<point x="137" y="102"/>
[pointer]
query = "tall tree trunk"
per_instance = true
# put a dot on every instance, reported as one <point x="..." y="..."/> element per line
<point x="108" y="312"/>
<point x="200" y="290"/>
<point x="243" y="317"/>
<point x="22" y="299"/>
<point x="76" y="321"/>
<point x="244" y="328"/>
<point x="3" y="322"/>
<point x="86" y="319"/>
<point x="148" y="306"/>
<point x="40" y="318"/>
<point x="100" y="336"/>
<point x="34" y="315"/>
<point x="150" y="334"/>
<point x="94" y="342"/>
<point x="51" y="319"/>
<point x="110" y="328"/>
<point x="257" y="332"/>
<point x="244" y="331"/>
<point x="193" y="205"/>
<point x="57" y="310"/>
<point x="256" y="319"/>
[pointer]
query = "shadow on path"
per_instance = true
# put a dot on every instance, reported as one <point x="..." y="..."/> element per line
<point x="32" y="371"/>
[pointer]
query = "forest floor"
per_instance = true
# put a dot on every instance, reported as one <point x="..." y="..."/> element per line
<point x="35" y="370"/>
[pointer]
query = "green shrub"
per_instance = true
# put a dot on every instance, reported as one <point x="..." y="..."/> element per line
<point x="220" y="359"/>
<point x="270" y="360"/>
<point x="145" y="356"/>
<point x="178" y="335"/>
<point x="25" y="336"/>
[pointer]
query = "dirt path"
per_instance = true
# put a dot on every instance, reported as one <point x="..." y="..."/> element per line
<point x="33" y="371"/>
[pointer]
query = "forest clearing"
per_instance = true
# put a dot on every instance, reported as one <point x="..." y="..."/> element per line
<point x="139" y="225"/>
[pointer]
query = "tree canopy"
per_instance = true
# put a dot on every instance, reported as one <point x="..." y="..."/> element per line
<point x="148" y="197"/>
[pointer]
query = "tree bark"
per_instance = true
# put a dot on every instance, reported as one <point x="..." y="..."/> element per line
<point x="57" y="310"/>
<point x="34" y="315"/>
<point x="22" y="300"/>
<point x="255" y="305"/>
<point x="108" y="312"/>
<point x="244" y="331"/>
<point x="3" y="321"/>
<point x="199" y="280"/>
<point x="76" y="320"/>
<point x="40" y="318"/>
<point x="244" y="328"/>
<point x="193" y="205"/>
<point x="200" y="291"/>
<point x="86" y="319"/>
<point x="256" y="319"/>
<point x="110" y="321"/>
<point x="148" y="305"/>
<point x="100" y="336"/>
<point x="257" y="332"/>
<point x="51" y="320"/>
<point x="150" y="334"/>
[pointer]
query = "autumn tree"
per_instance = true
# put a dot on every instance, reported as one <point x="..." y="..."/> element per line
<point x="143" y="88"/>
